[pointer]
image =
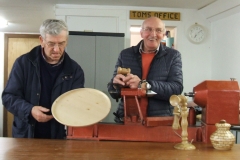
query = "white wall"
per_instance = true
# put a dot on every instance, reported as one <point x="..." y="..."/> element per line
<point x="196" y="57"/>
<point x="226" y="48"/>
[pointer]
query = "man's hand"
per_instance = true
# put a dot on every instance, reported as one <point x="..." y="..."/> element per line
<point x="39" y="113"/>
<point x="130" y="80"/>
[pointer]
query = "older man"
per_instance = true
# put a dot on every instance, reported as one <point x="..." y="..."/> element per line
<point x="37" y="79"/>
<point x="151" y="62"/>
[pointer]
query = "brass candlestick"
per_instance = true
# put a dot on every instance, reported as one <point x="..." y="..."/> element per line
<point x="181" y="111"/>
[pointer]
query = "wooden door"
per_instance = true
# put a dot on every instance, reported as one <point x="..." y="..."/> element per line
<point x="15" y="45"/>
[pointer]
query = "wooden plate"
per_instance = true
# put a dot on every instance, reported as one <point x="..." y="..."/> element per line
<point x="81" y="107"/>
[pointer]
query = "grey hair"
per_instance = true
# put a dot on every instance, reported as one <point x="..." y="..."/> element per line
<point x="52" y="27"/>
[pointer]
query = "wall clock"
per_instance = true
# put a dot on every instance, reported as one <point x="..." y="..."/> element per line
<point x="196" y="33"/>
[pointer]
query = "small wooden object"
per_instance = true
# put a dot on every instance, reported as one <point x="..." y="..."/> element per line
<point x="123" y="71"/>
<point x="222" y="138"/>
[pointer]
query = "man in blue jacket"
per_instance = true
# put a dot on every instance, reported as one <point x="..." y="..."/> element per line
<point x="151" y="62"/>
<point x="37" y="79"/>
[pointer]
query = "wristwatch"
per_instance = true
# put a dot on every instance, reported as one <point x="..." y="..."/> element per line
<point x="148" y="86"/>
<point x="144" y="84"/>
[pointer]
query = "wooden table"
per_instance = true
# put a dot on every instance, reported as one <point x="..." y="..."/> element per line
<point x="36" y="149"/>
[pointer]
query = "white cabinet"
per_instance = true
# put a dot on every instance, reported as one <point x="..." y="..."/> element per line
<point x="97" y="54"/>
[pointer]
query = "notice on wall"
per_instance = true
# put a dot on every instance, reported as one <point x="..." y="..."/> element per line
<point x="172" y="16"/>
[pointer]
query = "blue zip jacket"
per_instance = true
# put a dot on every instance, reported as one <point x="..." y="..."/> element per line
<point x="23" y="91"/>
<point x="165" y="77"/>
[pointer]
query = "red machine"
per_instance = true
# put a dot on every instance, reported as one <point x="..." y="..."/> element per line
<point x="219" y="100"/>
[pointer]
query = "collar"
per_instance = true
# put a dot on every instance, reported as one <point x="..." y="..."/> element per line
<point x="142" y="51"/>
<point x="60" y="61"/>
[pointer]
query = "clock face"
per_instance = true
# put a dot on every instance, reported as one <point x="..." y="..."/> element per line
<point x="196" y="33"/>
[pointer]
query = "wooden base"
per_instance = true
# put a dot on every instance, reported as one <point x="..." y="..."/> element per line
<point x="109" y="131"/>
<point x="185" y="146"/>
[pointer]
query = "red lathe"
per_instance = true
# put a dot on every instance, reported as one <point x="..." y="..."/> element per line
<point x="218" y="99"/>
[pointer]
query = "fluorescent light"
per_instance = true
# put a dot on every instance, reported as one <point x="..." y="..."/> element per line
<point x="3" y="23"/>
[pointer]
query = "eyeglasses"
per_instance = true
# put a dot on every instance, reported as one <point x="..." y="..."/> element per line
<point x="52" y="45"/>
<point x="150" y="30"/>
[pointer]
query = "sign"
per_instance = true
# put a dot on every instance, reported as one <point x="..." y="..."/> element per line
<point x="172" y="16"/>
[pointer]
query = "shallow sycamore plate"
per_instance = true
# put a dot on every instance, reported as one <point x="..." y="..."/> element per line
<point x="81" y="107"/>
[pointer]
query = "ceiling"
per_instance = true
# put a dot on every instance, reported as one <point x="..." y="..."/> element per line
<point x="27" y="15"/>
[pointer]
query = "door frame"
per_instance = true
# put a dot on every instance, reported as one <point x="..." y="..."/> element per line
<point x="6" y="38"/>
